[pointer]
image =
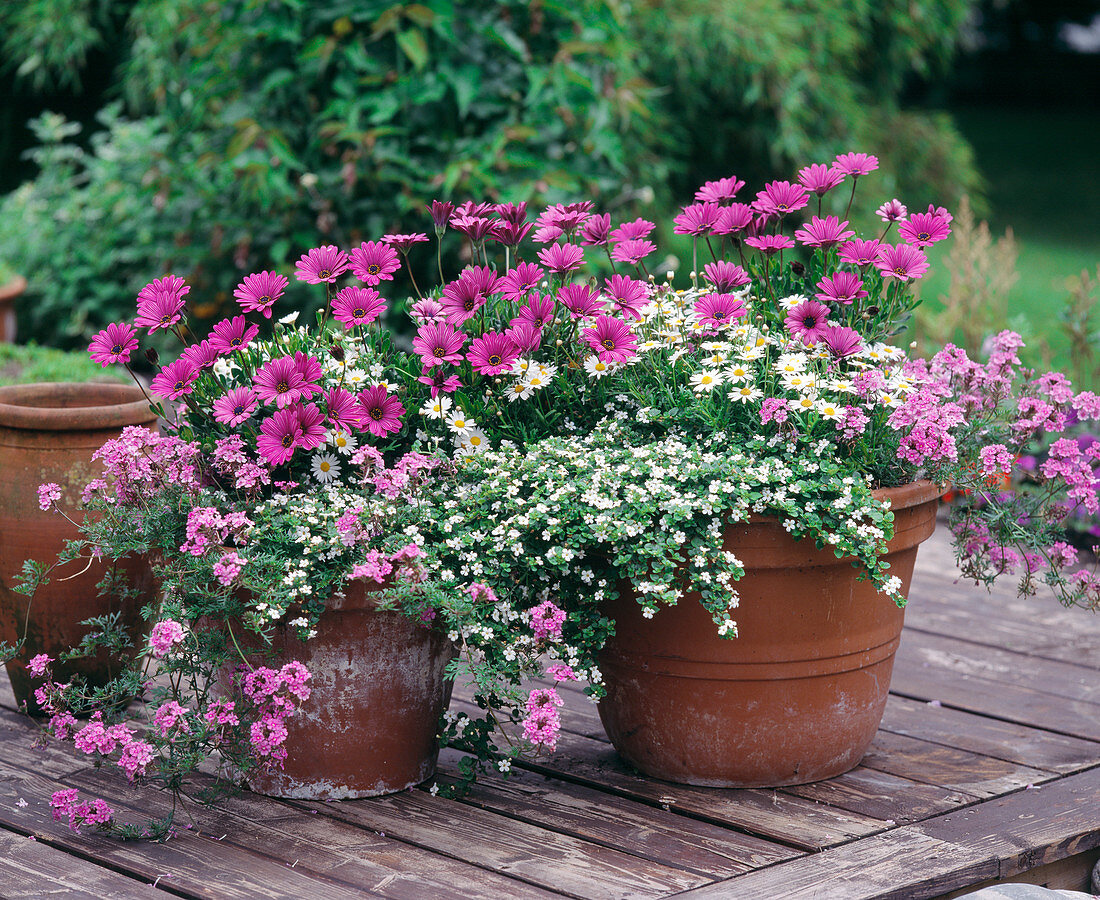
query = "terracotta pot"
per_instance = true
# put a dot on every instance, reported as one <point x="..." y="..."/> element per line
<point x="797" y="696"/>
<point x="371" y="723"/>
<point x="8" y="292"/>
<point x="48" y="432"/>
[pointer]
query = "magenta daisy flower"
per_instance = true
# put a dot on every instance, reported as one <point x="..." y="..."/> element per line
<point x="770" y="244"/>
<point x="581" y="300"/>
<point x="427" y="310"/>
<point x="547" y="234"/>
<point x="512" y="212"/>
<point x="484" y="278"/>
<point x="474" y="227"/>
<point x="379" y="413"/>
<point x="341" y="409"/>
<point x="159" y="303"/>
<point x="258" y="292"/>
<point x="233" y="334"/>
<point x="827" y="232"/>
<point x="628" y="295"/>
<point x="357" y="306"/>
<point x="719" y="309"/>
<point x="201" y="355"/>
<point x="372" y="262"/>
<point x="235" y="406"/>
<point x="279" y="381"/>
<point x="520" y="280"/>
<point x="596" y="231"/>
<point x="461" y="299"/>
<point x="734" y="218"/>
<point x="717" y="191"/>
<point x="441" y="212"/>
<point x="402" y="243"/>
<point x="807" y="321"/>
<point x="537" y="311"/>
<point x="562" y="258"/>
<point x="856" y="164"/>
<point x="781" y="197"/>
<point x="311" y="422"/>
<point x="923" y="229"/>
<point x="492" y="353"/>
<point x="175" y="379"/>
<point x="725" y="276"/>
<point x="279" y="436"/>
<point x="309" y="367"/>
<point x="840" y="287"/>
<point x="438" y="381"/>
<point x="820" y="179"/>
<point x="565" y="216"/>
<point x="322" y="264"/>
<point x="860" y="252"/>
<point x="174" y="286"/>
<point x="612" y="339"/>
<point x="638" y="230"/>
<point x="113" y="344"/>
<point x="901" y="261"/>
<point x="439" y="343"/>
<point x="697" y="219"/>
<point x="510" y="234"/>
<point x="892" y="211"/>
<point x="482" y="210"/>
<point x="525" y="336"/>
<point x="632" y="252"/>
<point x="841" y="340"/>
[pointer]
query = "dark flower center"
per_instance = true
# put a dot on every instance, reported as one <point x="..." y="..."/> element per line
<point x="718" y="314"/>
<point x="899" y="270"/>
<point x="358" y="313"/>
<point x="264" y="300"/>
<point x="376" y="413"/>
<point x="440" y="352"/>
<point x="923" y="236"/>
<point x="809" y="321"/>
<point x="116" y="350"/>
<point x="178" y="386"/>
<point x="494" y="359"/>
<point x="468" y="304"/>
<point x="373" y="269"/>
<point x="236" y="342"/>
<point x="324" y="273"/>
<point x="238" y="410"/>
<point x="282" y="387"/>
<point x="287" y="440"/>
<point x="166" y="320"/>
<point x="607" y="344"/>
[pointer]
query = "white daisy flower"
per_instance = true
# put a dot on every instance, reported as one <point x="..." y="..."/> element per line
<point x="325" y="467"/>
<point x="705" y="381"/>
<point x="547" y="371"/>
<point x="790" y="362"/>
<point x="597" y="368"/>
<point x="289" y="319"/>
<point x="437" y="408"/>
<point x="738" y="372"/>
<point x="800" y="382"/>
<point x="536" y="381"/>
<point x="459" y="422"/>
<point x="801" y="404"/>
<point x="829" y="410"/>
<point x="792" y="301"/>
<point x="889" y="400"/>
<point x="750" y="351"/>
<point x="743" y="393"/>
<point x="520" y="366"/>
<point x="355" y="378"/>
<point x="841" y="386"/>
<point x="343" y="442"/>
<point x="473" y="441"/>
<point x="521" y="390"/>
<point x="646" y="346"/>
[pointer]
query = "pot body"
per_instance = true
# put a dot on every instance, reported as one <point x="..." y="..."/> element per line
<point x="48" y="432"/>
<point x="371" y="723"/>
<point x="797" y="696"/>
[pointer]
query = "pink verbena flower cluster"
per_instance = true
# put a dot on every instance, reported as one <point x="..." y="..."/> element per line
<point x="543" y="722"/>
<point x="67" y="806"/>
<point x="273" y="696"/>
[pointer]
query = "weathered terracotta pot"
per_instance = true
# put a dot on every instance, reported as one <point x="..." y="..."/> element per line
<point x="371" y="723"/>
<point x="797" y="696"/>
<point x="8" y="292"/>
<point x="48" y="432"/>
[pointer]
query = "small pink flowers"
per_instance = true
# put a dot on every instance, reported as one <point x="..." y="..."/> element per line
<point x="113" y="344"/>
<point x="65" y="807"/>
<point x="380" y="413"/>
<point x="258" y="292"/>
<point x="36" y="665"/>
<point x="612" y="339"/>
<point x="546" y="621"/>
<point x="543" y="722"/>
<point x="323" y="265"/>
<point x="164" y="636"/>
<point x="48" y="494"/>
<point x="373" y="262"/>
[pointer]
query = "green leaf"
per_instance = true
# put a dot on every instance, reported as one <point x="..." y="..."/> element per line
<point x="414" y="46"/>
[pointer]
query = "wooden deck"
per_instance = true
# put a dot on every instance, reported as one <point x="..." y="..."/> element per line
<point x="987" y="765"/>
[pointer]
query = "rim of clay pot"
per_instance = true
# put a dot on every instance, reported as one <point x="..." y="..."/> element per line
<point x="912" y="494"/>
<point x="12" y="289"/>
<point x="72" y="406"/>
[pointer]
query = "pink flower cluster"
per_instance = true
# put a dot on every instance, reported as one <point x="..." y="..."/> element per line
<point x="95" y="737"/>
<point x="208" y="527"/>
<point x="164" y="635"/>
<point x="543" y="722"/>
<point x="141" y="463"/>
<point x="275" y="695"/>
<point x="66" y="807"/>
<point x="546" y="621"/>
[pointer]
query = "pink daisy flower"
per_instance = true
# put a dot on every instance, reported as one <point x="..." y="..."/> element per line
<point x="512" y="212"/>
<point x="632" y="252"/>
<point x="175" y="379"/>
<point x="482" y="210"/>
<point x="719" y="309"/>
<point x="841" y="340"/>
<point x="580" y="299"/>
<point x="827" y="232"/>
<point x="311" y="422"/>
<point x="279" y="381"/>
<point x="537" y="311"/>
<point x="518" y="282"/>
<point x="770" y="244"/>
<point x="923" y="229"/>
<point x="372" y="262"/>
<point x="856" y="164"/>
<point x="892" y="211"/>
<point x="357" y="306"/>
<point x="901" y="261"/>
<point x="159" y="303"/>
<point x="439" y="343"/>
<point x="492" y="353"/>
<point x="309" y="367"/>
<point x="461" y="299"/>
<point x="596" y="231"/>
<point x="474" y="227"/>
<point x="279" y="436"/>
<point x="697" y="219"/>
<point x="322" y="265"/>
<point x="820" y="179"/>
<point x="441" y="212"/>
<point x="235" y="406"/>
<point x="840" y="287"/>
<point x="807" y="321"/>
<point x="403" y="242"/>
<point x="637" y="230"/>
<point x="438" y="381"/>
<point x="562" y="258"/>
<point x="341" y="409"/>
<point x="233" y="334"/>
<point x="781" y="197"/>
<point x="734" y="218"/>
<point x="379" y="413"/>
<point x="612" y="339"/>
<point x="547" y="234"/>
<point x="113" y="344"/>
<point x="510" y="234"/>
<point x="427" y="310"/>
<point x="565" y="216"/>
<point x="628" y="295"/>
<point x="860" y="252"/>
<point x="258" y="292"/>
<point x="725" y="276"/>
<point x="484" y="278"/>
<point x="175" y="286"/>
<point x="717" y="191"/>
<point x="201" y="354"/>
<point x="525" y="336"/>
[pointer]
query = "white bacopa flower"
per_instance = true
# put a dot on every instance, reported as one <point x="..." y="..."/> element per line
<point x="343" y="442"/>
<point x="437" y="408"/>
<point x="459" y="423"/>
<point x="705" y="381"/>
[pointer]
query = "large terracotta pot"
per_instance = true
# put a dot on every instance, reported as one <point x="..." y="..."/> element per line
<point x="371" y="723"/>
<point x="8" y="292"/>
<point x="48" y="432"/>
<point x="797" y="696"/>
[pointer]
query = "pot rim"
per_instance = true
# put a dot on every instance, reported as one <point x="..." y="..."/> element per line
<point x="73" y="406"/>
<point x="913" y="493"/>
<point x="9" y="290"/>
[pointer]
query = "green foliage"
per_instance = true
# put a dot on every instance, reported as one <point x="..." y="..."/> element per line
<point x="31" y="364"/>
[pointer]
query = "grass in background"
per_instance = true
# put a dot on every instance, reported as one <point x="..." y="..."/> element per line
<point x="29" y="363"/>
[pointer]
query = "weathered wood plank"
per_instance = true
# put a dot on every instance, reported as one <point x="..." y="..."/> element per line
<point x="991" y="840"/>
<point x="31" y="869"/>
<point x="996" y="738"/>
<point x="654" y="834"/>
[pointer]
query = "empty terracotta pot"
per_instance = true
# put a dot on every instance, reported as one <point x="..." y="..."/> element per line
<point x="797" y="696"/>
<point x="48" y="432"/>
<point x="371" y="723"/>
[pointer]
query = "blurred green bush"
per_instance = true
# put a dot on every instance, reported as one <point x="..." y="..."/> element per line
<point x="243" y="132"/>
